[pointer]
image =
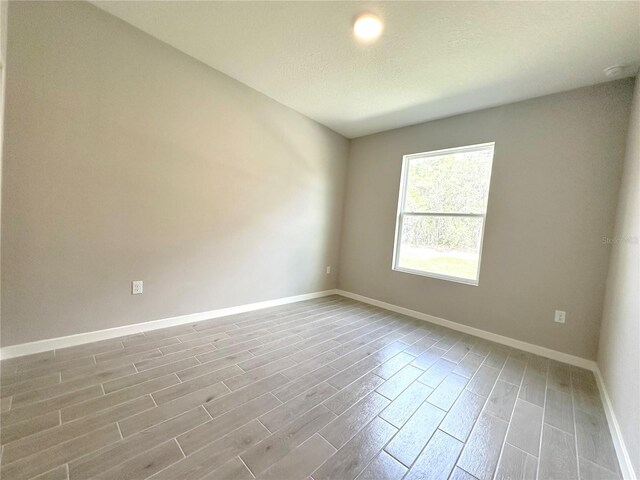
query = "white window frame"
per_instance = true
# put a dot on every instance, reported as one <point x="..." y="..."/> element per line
<point x="402" y="213"/>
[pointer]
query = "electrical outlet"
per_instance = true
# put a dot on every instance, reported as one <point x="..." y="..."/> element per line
<point x="560" y="316"/>
<point x="328" y="269"/>
<point x="136" y="287"/>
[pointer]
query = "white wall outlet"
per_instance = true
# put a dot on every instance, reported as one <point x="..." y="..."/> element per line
<point x="328" y="269"/>
<point x="560" y="316"/>
<point x="136" y="287"/>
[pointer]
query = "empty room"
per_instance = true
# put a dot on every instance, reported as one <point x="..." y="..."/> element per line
<point x="319" y="240"/>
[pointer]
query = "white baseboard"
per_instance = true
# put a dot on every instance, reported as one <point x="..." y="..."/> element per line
<point x="621" y="450"/>
<point x="494" y="337"/>
<point x="614" y="427"/>
<point x="88" y="337"/>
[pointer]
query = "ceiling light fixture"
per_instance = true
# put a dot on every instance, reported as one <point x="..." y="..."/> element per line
<point x="367" y="27"/>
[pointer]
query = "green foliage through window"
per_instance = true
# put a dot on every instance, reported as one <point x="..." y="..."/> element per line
<point x="442" y="211"/>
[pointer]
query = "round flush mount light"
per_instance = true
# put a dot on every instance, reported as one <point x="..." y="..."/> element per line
<point x="367" y="27"/>
<point x="614" y="71"/>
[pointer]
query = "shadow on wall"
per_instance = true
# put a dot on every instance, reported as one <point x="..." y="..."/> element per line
<point x="129" y="160"/>
<point x="441" y="103"/>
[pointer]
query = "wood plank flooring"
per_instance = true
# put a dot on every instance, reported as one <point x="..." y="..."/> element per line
<point x="323" y="389"/>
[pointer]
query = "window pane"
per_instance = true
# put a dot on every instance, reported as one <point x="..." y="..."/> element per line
<point x="456" y="182"/>
<point x="441" y="245"/>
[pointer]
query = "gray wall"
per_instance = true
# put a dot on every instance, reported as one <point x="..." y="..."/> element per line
<point x="619" y="352"/>
<point x="556" y="174"/>
<point x="127" y="160"/>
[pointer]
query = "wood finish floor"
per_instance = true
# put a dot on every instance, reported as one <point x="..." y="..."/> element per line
<point x="324" y="389"/>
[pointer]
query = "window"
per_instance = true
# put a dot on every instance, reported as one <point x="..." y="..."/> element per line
<point x="441" y="213"/>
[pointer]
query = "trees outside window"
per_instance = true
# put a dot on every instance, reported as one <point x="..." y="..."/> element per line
<point x="442" y="212"/>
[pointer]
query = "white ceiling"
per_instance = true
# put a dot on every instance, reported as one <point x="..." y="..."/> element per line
<point x="435" y="59"/>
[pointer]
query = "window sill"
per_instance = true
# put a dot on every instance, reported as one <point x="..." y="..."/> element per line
<point x="465" y="281"/>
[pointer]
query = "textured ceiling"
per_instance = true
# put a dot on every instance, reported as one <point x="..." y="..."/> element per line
<point x="435" y="59"/>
